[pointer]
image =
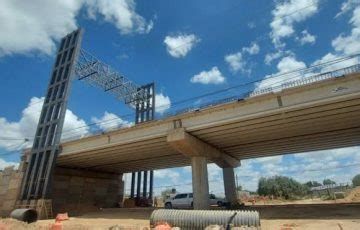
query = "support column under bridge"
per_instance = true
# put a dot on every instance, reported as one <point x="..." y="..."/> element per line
<point x="200" y="153"/>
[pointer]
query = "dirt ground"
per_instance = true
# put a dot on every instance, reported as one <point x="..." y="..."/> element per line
<point x="339" y="216"/>
<point x="273" y="217"/>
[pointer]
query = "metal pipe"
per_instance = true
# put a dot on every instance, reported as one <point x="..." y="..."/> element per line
<point x="24" y="214"/>
<point x="200" y="219"/>
<point x="145" y="184"/>
<point x="151" y="184"/>
<point x="138" y="189"/>
<point x="132" y="192"/>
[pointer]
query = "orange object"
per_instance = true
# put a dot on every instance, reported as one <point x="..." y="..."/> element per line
<point x="163" y="226"/>
<point x="57" y="226"/>
<point x="62" y="217"/>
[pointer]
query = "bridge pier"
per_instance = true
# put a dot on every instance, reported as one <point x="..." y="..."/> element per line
<point x="229" y="185"/>
<point x="199" y="152"/>
<point x="200" y="182"/>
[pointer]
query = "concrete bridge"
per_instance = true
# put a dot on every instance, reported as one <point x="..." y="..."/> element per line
<point x="317" y="116"/>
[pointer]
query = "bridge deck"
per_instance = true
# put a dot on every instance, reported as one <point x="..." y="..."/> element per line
<point x="318" y="116"/>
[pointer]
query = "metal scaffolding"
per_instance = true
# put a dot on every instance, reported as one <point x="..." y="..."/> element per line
<point x="37" y="179"/>
<point x="99" y="74"/>
<point x="72" y="59"/>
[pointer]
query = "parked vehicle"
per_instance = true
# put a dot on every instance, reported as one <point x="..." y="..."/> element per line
<point x="185" y="200"/>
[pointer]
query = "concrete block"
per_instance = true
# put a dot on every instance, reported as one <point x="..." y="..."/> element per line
<point x="73" y="199"/>
<point x="75" y="189"/>
<point x="91" y="180"/>
<point x="76" y="180"/>
<point x="61" y="185"/>
<point x="18" y="175"/>
<point x="61" y="178"/>
<point x="101" y="191"/>
<point x="5" y="180"/>
<point x="8" y="204"/>
<point x="8" y="170"/>
<point x="14" y="184"/>
<point x="59" y="193"/>
<point x="12" y="194"/>
<point x="59" y="200"/>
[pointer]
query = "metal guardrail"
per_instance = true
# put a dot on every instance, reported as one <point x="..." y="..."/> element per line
<point x="307" y="80"/>
<point x="262" y="91"/>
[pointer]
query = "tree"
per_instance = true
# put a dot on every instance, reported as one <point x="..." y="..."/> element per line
<point x="239" y="188"/>
<point x="281" y="186"/>
<point x="311" y="184"/>
<point x="356" y="180"/>
<point x="328" y="182"/>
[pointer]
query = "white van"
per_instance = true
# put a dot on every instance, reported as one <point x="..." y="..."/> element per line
<point x="185" y="200"/>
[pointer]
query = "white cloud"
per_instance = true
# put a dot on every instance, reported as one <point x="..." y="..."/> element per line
<point x="110" y="121"/>
<point x="350" y="44"/>
<point x="289" y="64"/>
<point x="328" y="155"/>
<point x="162" y="103"/>
<point x="35" y="26"/>
<point x="268" y="160"/>
<point x="5" y="164"/>
<point x="168" y="174"/>
<point x="26" y="126"/>
<point x="121" y="13"/>
<point x="345" y="45"/>
<point x="286" y="14"/>
<point x="278" y="54"/>
<point x="235" y="62"/>
<point x="336" y="65"/>
<point x="213" y="76"/>
<point x="285" y="65"/>
<point x="251" y="25"/>
<point x="347" y="6"/>
<point x="180" y="45"/>
<point x="306" y="38"/>
<point x="253" y="49"/>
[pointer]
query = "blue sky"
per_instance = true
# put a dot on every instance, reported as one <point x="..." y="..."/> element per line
<point x="187" y="48"/>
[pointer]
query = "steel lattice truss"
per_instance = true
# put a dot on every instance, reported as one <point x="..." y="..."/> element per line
<point x="100" y="74"/>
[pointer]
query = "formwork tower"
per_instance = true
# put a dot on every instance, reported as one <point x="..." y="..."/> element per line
<point x="72" y="60"/>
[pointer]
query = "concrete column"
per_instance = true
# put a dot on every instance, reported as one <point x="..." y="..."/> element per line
<point x="145" y="183"/>
<point x="138" y="188"/>
<point x="200" y="182"/>
<point x="151" y="184"/>
<point x="132" y="191"/>
<point x="229" y="185"/>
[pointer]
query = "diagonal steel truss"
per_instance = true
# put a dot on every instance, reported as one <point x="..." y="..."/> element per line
<point x="99" y="74"/>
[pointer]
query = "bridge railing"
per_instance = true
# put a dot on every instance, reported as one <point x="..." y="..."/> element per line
<point x="239" y="94"/>
<point x="307" y="80"/>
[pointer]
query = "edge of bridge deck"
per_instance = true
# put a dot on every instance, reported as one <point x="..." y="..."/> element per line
<point x="211" y="109"/>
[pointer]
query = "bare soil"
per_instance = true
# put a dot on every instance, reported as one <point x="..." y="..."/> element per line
<point x="306" y="214"/>
<point x="283" y="217"/>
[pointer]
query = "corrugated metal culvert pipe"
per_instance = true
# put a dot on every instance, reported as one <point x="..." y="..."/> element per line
<point x="200" y="219"/>
<point x="24" y="214"/>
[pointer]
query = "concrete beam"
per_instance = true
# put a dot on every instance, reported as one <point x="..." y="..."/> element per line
<point x="200" y="182"/>
<point x="191" y="146"/>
